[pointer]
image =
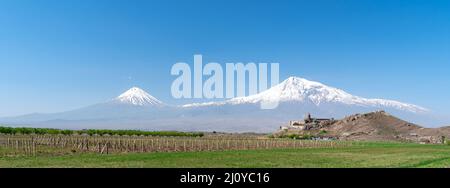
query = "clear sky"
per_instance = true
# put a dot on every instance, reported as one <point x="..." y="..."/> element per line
<point x="61" y="55"/>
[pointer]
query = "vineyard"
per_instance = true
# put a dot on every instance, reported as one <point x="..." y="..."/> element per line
<point x="33" y="145"/>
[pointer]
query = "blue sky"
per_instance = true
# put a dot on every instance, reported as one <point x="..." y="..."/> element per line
<point x="61" y="55"/>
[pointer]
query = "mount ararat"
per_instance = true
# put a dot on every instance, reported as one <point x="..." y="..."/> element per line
<point x="137" y="109"/>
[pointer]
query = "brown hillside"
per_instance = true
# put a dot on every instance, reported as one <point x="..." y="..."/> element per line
<point x="374" y="126"/>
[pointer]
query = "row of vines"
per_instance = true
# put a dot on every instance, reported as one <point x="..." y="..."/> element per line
<point x="32" y="145"/>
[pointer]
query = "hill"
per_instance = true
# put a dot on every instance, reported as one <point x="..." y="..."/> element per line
<point x="374" y="126"/>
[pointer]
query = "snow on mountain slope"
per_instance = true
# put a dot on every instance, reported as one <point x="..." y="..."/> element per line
<point x="137" y="97"/>
<point x="295" y="89"/>
<point x="137" y="109"/>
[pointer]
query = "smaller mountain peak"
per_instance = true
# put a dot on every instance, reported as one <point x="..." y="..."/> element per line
<point x="138" y="97"/>
<point x="135" y="89"/>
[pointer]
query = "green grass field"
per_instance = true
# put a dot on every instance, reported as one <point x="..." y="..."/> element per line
<point x="359" y="155"/>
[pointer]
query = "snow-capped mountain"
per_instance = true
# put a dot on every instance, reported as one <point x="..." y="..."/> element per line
<point x="138" y="97"/>
<point x="137" y="109"/>
<point x="134" y="103"/>
<point x="297" y="97"/>
<point x="300" y="90"/>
